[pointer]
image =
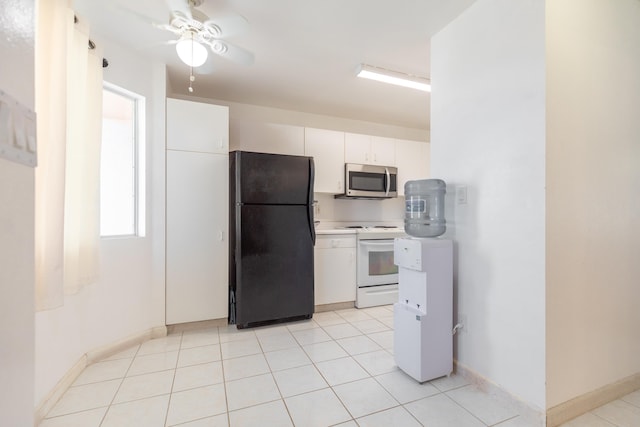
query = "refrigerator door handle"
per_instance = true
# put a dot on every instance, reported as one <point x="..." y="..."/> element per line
<point x="312" y="227"/>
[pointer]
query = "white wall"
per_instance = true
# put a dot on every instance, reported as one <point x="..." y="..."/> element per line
<point x="17" y="43"/>
<point x="331" y="211"/>
<point x="129" y="297"/>
<point x="239" y="113"/>
<point x="487" y="134"/>
<point x="593" y="195"/>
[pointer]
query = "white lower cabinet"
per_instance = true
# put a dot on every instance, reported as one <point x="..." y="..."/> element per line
<point x="197" y="282"/>
<point x="335" y="269"/>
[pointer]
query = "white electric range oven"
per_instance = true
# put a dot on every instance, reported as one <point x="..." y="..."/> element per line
<point x="377" y="275"/>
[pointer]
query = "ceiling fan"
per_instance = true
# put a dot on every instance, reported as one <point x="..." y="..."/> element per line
<point x="199" y="34"/>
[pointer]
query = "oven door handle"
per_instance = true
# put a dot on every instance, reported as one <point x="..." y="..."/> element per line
<point x="371" y="290"/>
<point x="365" y="243"/>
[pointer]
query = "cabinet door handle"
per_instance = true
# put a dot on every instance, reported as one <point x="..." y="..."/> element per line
<point x="221" y="236"/>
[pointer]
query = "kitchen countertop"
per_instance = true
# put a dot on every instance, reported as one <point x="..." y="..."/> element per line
<point x="335" y="231"/>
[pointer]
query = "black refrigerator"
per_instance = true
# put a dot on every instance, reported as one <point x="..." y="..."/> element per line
<point x="271" y="238"/>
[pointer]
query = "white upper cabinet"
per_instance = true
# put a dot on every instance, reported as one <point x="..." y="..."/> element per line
<point x="412" y="161"/>
<point x="327" y="149"/>
<point x="267" y="137"/>
<point x="383" y="151"/>
<point x="369" y="150"/>
<point x="357" y="148"/>
<point x="196" y="126"/>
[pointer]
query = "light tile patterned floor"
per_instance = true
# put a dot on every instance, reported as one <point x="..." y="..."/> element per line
<point x="334" y="370"/>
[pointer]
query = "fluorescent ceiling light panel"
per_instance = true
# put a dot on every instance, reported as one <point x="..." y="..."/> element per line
<point x="394" y="77"/>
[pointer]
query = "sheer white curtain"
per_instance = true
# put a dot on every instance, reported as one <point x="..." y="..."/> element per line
<point x="68" y="104"/>
<point x="82" y="182"/>
<point x="53" y="25"/>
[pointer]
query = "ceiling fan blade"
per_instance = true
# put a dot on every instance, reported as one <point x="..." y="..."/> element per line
<point x="181" y="6"/>
<point x="229" y="24"/>
<point x="232" y="52"/>
<point x="167" y="27"/>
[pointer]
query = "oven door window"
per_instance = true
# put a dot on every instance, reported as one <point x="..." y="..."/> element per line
<point x="375" y="263"/>
<point x="381" y="264"/>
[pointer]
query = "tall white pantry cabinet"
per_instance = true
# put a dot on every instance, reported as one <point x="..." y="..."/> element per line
<point x="197" y="282"/>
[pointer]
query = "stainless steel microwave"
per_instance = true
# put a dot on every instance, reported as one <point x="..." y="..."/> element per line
<point x="370" y="182"/>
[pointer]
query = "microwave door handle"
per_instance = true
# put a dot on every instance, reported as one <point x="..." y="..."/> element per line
<point x="387" y="182"/>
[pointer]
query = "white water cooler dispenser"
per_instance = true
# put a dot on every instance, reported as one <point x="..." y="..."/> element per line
<point x="423" y="315"/>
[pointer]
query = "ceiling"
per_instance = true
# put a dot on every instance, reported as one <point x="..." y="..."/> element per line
<point x="306" y="52"/>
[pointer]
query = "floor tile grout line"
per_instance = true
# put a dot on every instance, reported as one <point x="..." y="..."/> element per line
<point x="602" y="418"/>
<point x="504" y="421"/>
<point x="343" y="405"/>
<point x="467" y="410"/>
<point x="224" y="384"/>
<point x="175" y="370"/>
<point x="284" y="402"/>
<point x="630" y="403"/>
<point x="104" y="416"/>
<point x="76" y="412"/>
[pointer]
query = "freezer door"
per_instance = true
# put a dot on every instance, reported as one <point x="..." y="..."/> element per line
<point x="273" y="178"/>
<point x="274" y="263"/>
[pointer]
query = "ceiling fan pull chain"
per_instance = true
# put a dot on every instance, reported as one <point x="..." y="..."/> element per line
<point x="191" y="78"/>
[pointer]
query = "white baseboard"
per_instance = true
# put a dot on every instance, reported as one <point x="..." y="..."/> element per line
<point x="110" y="349"/>
<point x="87" y="359"/>
<point x="56" y="393"/>
<point x="335" y="306"/>
<point x="201" y="324"/>
<point x="582" y="404"/>
<point x="533" y="415"/>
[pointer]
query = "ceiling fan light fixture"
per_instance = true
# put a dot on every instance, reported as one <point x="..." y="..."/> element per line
<point x="394" y="77"/>
<point x="191" y="51"/>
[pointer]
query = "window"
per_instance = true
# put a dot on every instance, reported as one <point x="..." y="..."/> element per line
<point x="122" y="157"/>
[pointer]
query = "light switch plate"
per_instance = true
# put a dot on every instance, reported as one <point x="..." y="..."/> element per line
<point x="461" y="195"/>
<point x="18" y="141"/>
